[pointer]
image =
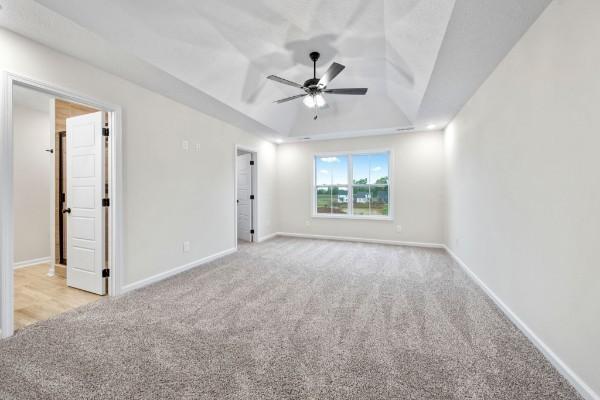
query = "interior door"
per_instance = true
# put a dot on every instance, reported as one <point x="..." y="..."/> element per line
<point x="85" y="225"/>
<point x="244" y="190"/>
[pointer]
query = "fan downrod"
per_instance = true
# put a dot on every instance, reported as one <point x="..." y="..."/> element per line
<point x="314" y="56"/>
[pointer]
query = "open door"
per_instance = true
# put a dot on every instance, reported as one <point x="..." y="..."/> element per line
<point x="85" y="222"/>
<point x="244" y="190"/>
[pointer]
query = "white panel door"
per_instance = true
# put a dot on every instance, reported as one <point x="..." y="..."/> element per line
<point x="244" y="190"/>
<point x="85" y="223"/>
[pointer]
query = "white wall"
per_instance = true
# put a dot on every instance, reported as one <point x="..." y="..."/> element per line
<point x="417" y="185"/>
<point x="170" y="195"/>
<point x="32" y="202"/>
<point x="523" y="171"/>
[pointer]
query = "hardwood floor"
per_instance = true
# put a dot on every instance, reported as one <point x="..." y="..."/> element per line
<point x="39" y="296"/>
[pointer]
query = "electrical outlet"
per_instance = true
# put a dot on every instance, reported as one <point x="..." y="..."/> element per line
<point x="186" y="246"/>
<point x="398" y="228"/>
<point x="185" y="145"/>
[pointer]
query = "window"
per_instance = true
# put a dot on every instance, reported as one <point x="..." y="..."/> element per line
<point x="352" y="185"/>
<point x="332" y="184"/>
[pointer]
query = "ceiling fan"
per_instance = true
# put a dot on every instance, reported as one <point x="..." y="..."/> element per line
<point x="314" y="88"/>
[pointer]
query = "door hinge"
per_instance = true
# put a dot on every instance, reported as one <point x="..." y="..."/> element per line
<point x="251" y="197"/>
<point x="106" y="273"/>
<point x="105" y="202"/>
<point x="105" y="132"/>
<point x="251" y="162"/>
<point x="252" y="231"/>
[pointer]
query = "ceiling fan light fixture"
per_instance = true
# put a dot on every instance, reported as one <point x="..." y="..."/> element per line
<point x="315" y="100"/>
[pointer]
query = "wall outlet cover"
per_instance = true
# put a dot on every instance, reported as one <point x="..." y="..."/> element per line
<point x="398" y="228"/>
<point x="186" y="246"/>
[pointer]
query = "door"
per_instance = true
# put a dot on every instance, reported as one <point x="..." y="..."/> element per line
<point x="244" y="190"/>
<point x="85" y="225"/>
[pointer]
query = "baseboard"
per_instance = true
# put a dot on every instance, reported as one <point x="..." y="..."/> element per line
<point x="265" y="238"/>
<point x="560" y="366"/>
<point x="174" y="271"/>
<point x="30" y="263"/>
<point x="362" y="240"/>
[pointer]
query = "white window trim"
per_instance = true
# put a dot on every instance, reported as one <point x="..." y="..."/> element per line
<point x="313" y="196"/>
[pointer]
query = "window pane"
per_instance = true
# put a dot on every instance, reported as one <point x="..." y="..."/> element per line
<point x="339" y="200"/>
<point x="324" y="200"/>
<point x="360" y="169"/>
<point x="339" y="169"/>
<point x="322" y="172"/>
<point x="361" y="200"/>
<point x="332" y="170"/>
<point x="379" y="168"/>
<point x="379" y="200"/>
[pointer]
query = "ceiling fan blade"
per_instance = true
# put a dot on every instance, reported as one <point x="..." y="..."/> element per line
<point x="331" y="73"/>
<point x="290" y="98"/>
<point x="358" y="91"/>
<point x="284" y="81"/>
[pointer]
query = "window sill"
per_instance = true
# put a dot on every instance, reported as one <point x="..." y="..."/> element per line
<point x="354" y="217"/>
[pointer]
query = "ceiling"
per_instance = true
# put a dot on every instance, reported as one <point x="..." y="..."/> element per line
<point x="421" y="59"/>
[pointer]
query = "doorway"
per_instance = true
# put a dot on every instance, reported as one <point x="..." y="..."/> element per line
<point x="82" y="223"/>
<point x="245" y="192"/>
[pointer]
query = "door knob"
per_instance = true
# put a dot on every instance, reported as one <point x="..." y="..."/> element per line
<point x="67" y="210"/>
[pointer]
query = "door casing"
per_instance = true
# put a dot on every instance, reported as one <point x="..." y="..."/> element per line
<point x="8" y="80"/>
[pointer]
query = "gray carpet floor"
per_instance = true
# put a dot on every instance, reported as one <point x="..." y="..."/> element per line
<point x="287" y="319"/>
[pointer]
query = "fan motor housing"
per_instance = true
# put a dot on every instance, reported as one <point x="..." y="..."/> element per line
<point x="311" y="83"/>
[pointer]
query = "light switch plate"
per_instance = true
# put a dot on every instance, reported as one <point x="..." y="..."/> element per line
<point x="186" y="246"/>
<point x="185" y="145"/>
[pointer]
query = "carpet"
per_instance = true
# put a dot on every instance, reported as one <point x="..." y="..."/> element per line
<point x="287" y="319"/>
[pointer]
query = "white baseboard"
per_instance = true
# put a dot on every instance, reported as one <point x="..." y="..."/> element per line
<point x="267" y="237"/>
<point x="30" y="263"/>
<point x="562" y="368"/>
<point x="362" y="240"/>
<point x="174" y="271"/>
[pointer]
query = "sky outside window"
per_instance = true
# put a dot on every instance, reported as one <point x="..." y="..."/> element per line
<point x="360" y="169"/>
<point x="369" y="169"/>
<point x="332" y="170"/>
<point x="379" y="168"/>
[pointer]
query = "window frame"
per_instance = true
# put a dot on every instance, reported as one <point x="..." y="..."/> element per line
<point x="350" y="185"/>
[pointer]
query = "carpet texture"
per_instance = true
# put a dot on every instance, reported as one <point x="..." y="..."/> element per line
<point x="287" y="319"/>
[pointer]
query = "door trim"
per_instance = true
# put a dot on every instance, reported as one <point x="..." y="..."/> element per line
<point x="254" y="174"/>
<point x="115" y="283"/>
